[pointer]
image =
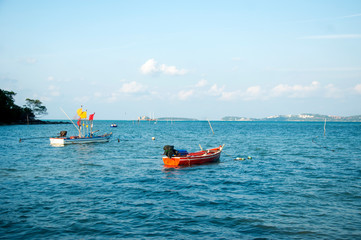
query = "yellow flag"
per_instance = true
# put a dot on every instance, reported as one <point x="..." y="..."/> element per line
<point x="83" y="115"/>
<point x="79" y="112"/>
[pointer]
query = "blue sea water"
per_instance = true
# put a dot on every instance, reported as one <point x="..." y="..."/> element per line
<point x="298" y="184"/>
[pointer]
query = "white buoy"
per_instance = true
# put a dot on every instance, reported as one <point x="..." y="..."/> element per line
<point x="153" y="138"/>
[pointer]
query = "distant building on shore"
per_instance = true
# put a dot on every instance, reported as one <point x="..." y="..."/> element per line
<point x="146" y="118"/>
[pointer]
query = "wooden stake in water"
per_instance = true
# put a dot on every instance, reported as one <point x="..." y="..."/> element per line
<point x="324" y="128"/>
<point x="210" y="126"/>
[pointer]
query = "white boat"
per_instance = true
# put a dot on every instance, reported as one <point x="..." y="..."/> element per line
<point x="61" y="141"/>
<point x="85" y="135"/>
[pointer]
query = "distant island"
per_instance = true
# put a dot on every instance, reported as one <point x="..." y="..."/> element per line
<point x="305" y="117"/>
<point x="176" y="119"/>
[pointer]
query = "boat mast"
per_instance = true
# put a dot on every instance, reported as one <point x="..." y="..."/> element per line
<point x="80" y="128"/>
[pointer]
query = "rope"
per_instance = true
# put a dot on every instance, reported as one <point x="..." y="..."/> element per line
<point x="20" y="139"/>
<point x="313" y="140"/>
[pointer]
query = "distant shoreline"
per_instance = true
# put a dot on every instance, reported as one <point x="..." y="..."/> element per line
<point x="35" y="122"/>
<point x="277" y="118"/>
<point x="196" y="120"/>
<point x="305" y="117"/>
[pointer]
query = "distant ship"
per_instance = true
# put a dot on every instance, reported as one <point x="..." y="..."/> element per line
<point x="146" y="118"/>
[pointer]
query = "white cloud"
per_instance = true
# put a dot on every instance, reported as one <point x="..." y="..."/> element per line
<point x="294" y="90"/>
<point x="215" y="90"/>
<point x="152" y="67"/>
<point x="357" y="88"/>
<point x="172" y="70"/>
<point x="149" y="67"/>
<point x="259" y="93"/>
<point x="202" y="83"/>
<point x="227" y="96"/>
<point x="131" y="87"/>
<point x="128" y="88"/>
<point x="254" y="91"/>
<point x="185" y="94"/>
<point x="280" y="89"/>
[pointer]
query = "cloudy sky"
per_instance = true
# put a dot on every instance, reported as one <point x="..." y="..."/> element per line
<point x="198" y="59"/>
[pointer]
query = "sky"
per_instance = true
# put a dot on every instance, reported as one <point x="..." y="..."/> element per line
<point x="192" y="59"/>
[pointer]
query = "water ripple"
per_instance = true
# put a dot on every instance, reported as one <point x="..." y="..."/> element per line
<point x="290" y="188"/>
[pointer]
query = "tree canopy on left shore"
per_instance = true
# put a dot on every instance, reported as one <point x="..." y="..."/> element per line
<point x="11" y="113"/>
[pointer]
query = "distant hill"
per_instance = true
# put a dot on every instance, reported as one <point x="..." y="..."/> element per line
<point x="176" y="119"/>
<point x="232" y="118"/>
<point x="305" y="117"/>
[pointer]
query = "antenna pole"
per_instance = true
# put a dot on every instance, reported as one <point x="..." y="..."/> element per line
<point x="70" y="119"/>
<point x="210" y="126"/>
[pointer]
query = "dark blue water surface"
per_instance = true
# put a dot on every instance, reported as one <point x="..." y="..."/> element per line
<point x="299" y="184"/>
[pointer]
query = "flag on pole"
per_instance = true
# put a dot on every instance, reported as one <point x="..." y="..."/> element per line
<point x="83" y="115"/>
<point x="79" y="112"/>
<point x="79" y="122"/>
<point x="91" y="117"/>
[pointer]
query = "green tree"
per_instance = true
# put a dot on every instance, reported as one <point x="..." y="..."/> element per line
<point x="36" y="107"/>
<point x="9" y="111"/>
<point x="12" y="113"/>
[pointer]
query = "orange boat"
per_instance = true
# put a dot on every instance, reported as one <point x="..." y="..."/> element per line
<point x="201" y="157"/>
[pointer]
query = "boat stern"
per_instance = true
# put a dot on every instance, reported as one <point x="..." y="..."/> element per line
<point x="57" y="141"/>
<point x="174" y="161"/>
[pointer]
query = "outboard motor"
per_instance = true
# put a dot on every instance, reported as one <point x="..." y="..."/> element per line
<point x="63" y="133"/>
<point x="169" y="151"/>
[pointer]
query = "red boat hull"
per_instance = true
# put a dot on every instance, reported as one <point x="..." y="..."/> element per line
<point x="201" y="157"/>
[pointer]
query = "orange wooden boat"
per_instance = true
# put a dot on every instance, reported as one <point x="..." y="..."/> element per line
<point x="201" y="157"/>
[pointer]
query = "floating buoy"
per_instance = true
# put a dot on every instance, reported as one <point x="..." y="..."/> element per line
<point x="153" y="138"/>
<point x="241" y="158"/>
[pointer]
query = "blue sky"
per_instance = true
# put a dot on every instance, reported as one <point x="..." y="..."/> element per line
<point x="198" y="59"/>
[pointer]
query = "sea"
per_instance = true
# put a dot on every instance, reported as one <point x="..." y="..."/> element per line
<point x="274" y="180"/>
